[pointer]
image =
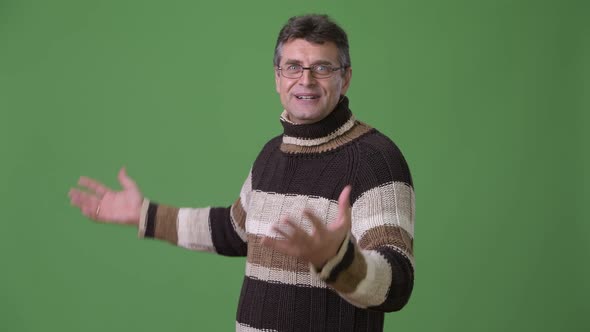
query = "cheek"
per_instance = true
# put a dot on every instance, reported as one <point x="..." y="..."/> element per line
<point x="285" y="87"/>
<point x="334" y="88"/>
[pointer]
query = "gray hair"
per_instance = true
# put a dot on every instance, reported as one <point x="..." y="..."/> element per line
<point x="316" y="29"/>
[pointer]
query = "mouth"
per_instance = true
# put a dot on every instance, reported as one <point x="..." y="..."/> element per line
<point x="306" y="96"/>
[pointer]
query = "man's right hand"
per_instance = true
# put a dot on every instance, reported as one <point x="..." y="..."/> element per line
<point x="98" y="202"/>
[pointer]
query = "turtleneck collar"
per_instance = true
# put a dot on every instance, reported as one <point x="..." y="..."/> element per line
<point x="338" y="122"/>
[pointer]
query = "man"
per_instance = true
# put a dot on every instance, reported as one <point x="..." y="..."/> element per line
<point x="325" y="217"/>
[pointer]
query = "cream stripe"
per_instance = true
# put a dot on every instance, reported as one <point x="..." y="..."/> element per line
<point x="193" y="229"/>
<point x="244" y="199"/>
<point x="246" y="191"/>
<point x="143" y="218"/>
<point x="317" y="141"/>
<point x="245" y="328"/>
<point x="284" y="277"/>
<point x="267" y="209"/>
<point x="388" y="204"/>
<point x="372" y="290"/>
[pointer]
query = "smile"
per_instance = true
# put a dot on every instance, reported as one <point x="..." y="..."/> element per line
<point x="307" y="97"/>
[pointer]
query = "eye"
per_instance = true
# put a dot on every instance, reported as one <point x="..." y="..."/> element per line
<point x="293" y="67"/>
<point x="321" y="68"/>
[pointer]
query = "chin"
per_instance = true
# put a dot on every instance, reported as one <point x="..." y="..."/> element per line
<point x="305" y="118"/>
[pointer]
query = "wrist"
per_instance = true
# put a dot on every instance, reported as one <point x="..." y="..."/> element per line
<point x="333" y="256"/>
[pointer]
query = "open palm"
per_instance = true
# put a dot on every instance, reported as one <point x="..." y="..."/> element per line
<point x="98" y="202"/>
<point x="323" y="242"/>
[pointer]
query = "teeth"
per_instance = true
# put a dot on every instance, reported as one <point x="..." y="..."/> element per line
<point x="306" y="97"/>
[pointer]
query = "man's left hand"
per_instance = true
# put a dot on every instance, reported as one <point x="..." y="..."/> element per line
<point x="324" y="241"/>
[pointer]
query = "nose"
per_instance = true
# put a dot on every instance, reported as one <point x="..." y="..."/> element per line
<point x="307" y="78"/>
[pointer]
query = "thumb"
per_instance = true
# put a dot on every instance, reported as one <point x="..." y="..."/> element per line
<point x="125" y="181"/>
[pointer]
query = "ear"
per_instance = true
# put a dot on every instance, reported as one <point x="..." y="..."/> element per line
<point x="346" y="80"/>
<point x="277" y="80"/>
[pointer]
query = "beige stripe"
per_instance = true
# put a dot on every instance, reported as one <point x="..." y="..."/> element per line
<point x="166" y="223"/>
<point x="238" y="219"/>
<point x="245" y="328"/>
<point x="263" y="256"/>
<point x="238" y="214"/>
<point x="266" y="209"/>
<point x="193" y="229"/>
<point x="387" y="235"/>
<point x="304" y="278"/>
<point x="317" y="141"/>
<point x="389" y="204"/>
<point x="357" y="131"/>
<point x="348" y="280"/>
<point x="373" y="289"/>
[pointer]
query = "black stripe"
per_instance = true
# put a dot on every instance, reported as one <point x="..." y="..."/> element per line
<point x="150" y="227"/>
<point x="402" y="281"/>
<point x="368" y="162"/>
<point x="344" y="263"/>
<point x="225" y="239"/>
<point x="336" y="119"/>
<point x="266" y="305"/>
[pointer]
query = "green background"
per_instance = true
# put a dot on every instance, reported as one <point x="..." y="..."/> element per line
<point x="488" y="100"/>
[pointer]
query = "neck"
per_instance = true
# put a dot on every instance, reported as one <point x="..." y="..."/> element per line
<point x="327" y="133"/>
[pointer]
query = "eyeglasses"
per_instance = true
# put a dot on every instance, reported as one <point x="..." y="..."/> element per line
<point x="317" y="71"/>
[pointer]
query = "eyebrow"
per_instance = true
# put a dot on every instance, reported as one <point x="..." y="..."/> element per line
<point x="319" y="62"/>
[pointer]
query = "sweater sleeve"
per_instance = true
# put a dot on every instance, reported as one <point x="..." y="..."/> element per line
<point x="374" y="267"/>
<point x="218" y="230"/>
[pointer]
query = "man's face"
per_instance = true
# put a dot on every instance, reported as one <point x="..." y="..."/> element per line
<point x="308" y="99"/>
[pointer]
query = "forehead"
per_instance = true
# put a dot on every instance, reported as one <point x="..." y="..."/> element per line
<point x="302" y="51"/>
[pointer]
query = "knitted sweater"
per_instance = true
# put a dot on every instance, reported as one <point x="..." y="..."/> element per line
<point x="307" y="167"/>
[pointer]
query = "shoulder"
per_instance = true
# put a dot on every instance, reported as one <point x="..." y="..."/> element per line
<point x="381" y="162"/>
<point x="375" y="144"/>
<point x="269" y="149"/>
<point x="272" y="145"/>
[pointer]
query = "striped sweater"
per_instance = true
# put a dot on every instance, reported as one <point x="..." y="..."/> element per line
<point x="307" y="167"/>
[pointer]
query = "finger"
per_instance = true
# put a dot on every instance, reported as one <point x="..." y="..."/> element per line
<point x="285" y="234"/>
<point x="344" y="203"/>
<point x="125" y="181"/>
<point x="289" y="230"/>
<point x="84" y="203"/>
<point x="87" y="203"/>
<point x="282" y="246"/>
<point x="80" y="198"/>
<point x="93" y="185"/>
<point x="88" y="211"/>
<point x="297" y="232"/>
<point x="317" y="223"/>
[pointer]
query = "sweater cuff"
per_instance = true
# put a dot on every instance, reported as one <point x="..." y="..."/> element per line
<point x="143" y="218"/>
<point x="329" y="272"/>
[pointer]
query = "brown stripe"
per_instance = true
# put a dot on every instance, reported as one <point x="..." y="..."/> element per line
<point x="238" y="214"/>
<point x="348" y="280"/>
<point x="264" y="256"/>
<point x="387" y="235"/>
<point x="166" y="223"/>
<point x="356" y="131"/>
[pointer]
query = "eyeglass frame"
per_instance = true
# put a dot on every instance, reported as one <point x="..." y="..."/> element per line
<point x="332" y="70"/>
